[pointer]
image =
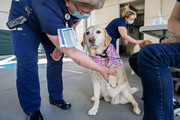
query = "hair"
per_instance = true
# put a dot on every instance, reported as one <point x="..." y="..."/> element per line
<point x="95" y="4"/>
<point x="128" y="12"/>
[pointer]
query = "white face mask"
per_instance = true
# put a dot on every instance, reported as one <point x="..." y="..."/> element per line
<point x="78" y="15"/>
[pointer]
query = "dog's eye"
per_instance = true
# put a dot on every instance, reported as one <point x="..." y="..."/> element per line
<point x="98" y="31"/>
<point x="87" y="33"/>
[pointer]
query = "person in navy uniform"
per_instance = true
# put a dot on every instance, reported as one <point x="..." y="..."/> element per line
<point x="152" y="64"/>
<point x="44" y="17"/>
<point x="117" y="28"/>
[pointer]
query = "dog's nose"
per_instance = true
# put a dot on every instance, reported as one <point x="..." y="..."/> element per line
<point x="92" y="40"/>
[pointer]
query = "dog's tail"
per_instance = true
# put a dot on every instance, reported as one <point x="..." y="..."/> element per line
<point x="134" y="89"/>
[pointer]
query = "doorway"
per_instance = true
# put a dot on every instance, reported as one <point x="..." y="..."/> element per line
<point x="133" y="30"/>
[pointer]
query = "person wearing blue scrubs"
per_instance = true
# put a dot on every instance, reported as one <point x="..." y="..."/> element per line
<point x="117" y="28"/>
<point x="44" y="17"/>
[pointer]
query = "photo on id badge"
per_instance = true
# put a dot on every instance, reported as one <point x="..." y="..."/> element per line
<point x="67" y="37"/>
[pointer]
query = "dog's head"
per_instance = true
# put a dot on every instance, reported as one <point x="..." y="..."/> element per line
<point x="96" y="39"/>
<point x="145" y="42"/>
<point x="137" y="47"/>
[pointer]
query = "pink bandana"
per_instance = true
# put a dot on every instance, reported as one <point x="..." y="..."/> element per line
<point x="112" y="60"/>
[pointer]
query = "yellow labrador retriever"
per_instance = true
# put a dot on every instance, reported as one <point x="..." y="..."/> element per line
<point x="117" y="89"/>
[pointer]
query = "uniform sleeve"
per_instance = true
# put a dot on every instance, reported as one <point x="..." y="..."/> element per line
<point x="75" y="21"/>
<point x="178" y="0"/>
<point x="120" y="23"/>
<point x="49" y="21"/>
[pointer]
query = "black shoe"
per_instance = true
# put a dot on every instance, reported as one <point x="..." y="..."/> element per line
<point x="176" y="107"/>
<point x="35" y="115"/>
<point x="61" y="104"/>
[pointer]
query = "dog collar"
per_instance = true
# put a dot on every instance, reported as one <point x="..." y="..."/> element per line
<point x="104" y="54"/>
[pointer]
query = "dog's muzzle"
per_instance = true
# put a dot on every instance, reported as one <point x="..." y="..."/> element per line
<point x="92" y="42"/>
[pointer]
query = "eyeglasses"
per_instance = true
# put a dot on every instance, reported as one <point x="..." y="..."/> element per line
<point x="76" y="9"/>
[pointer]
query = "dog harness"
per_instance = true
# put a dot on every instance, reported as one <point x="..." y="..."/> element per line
<point x="109" y="58"/>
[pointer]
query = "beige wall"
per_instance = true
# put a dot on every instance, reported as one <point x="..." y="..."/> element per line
<point x="102" y="17"/>
<point x="111" y="10"/>
<point x="152" y="8"/>
<point x="3" y="20"/>
<point x="4" y="12"/>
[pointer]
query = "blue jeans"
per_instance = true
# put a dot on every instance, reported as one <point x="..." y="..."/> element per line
<point x="151" y="65"/>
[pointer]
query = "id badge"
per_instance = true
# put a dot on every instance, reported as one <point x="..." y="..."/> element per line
<point x="67" y="37"/>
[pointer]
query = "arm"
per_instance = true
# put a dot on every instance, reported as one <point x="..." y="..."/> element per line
<point x="174" y="21"/>
<point x="81" y="58"/>
<point x="126" y="42"/>
<point x="57" y="54"/>
<point x="124" y="35"/>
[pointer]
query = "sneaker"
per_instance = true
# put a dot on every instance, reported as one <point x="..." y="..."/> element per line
<point x="176" y="107"/>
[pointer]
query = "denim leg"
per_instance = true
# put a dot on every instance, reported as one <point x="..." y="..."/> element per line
<point x="54" y="71"/>
<point x="153" y="62"/>
<point x="25" y="45"/>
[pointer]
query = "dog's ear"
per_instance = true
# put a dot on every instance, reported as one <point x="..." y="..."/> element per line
<point x="83" y="41"/>
<point x="107" y="38"/>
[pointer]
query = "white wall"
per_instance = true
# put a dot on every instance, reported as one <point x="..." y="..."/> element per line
<point x="152" y="8"/>
<point x="4" y="12"/>
<point x="110" y="11"/>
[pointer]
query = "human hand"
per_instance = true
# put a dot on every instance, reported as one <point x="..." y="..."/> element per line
<point x="172" y="39"/>
<point x="56" y="55"/>
<point x="105" y="72"/>
<point x="126" y="42"/>
<point x="168" y="40"/>
<point x="139" y="42"/>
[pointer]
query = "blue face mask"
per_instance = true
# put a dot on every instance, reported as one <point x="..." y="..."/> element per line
<point x="131" y="22"/>
<point x="78" y="15"/>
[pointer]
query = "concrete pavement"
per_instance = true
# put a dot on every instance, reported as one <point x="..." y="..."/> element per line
<point x="77" y="89"/>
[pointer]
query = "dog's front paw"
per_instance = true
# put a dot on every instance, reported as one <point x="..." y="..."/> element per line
<point x="113" y="84"/>
<point x="113" y="81"/>
<point x="137" y="110"/>
<point x="93" y="111"/>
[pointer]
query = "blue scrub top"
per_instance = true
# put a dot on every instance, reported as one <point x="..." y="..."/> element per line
<point x="112" y="28"/>
<point x="47" y="15"/>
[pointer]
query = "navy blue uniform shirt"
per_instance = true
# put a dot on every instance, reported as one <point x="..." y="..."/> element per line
<point x="112" y="28"/>
<point x="47" y="15"/>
